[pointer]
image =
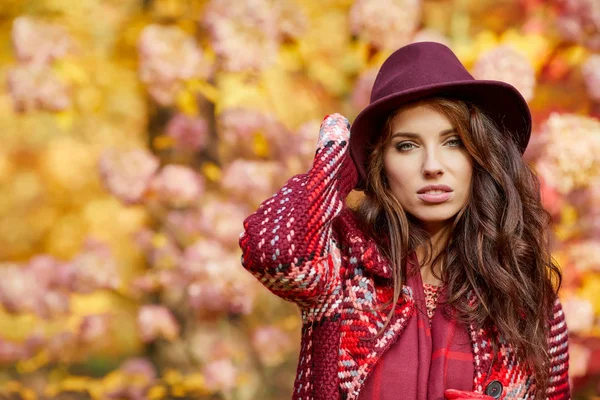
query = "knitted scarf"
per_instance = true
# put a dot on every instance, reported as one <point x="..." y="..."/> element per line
<point x="426" y="359"/>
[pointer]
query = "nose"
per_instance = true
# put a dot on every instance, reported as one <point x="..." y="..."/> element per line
<point x="432" y="167"/>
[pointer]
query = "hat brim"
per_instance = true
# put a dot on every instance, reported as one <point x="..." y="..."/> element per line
<point x="500" y="100"/>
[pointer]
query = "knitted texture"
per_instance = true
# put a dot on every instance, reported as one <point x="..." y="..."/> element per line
<point x="305" y="246"/>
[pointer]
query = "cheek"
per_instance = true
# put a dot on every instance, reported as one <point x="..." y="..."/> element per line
<point x="399" y="175"/>
<point x="467" y="171"/>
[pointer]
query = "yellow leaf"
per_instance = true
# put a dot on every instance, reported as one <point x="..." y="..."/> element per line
<point x="290" y="323"/>
<point x="96" y="390"/>
<point x="576" y="55"/>
<point x="71" y="71"/>
<point x="113" y="380"/>
<point x="178" y="391"/>
<point x="212" y="172"/>
<point x="172" y="377"/>
<point x="204" y="88"/>
<point x="159" y="240"/>
<point x="590" y="289"/>
<point x="568" y="215"/>
<point x="195" y="382"/>
<point x="34" y="363"/>
<point x="64" y="119"/>
<point x="156" y="393"/>
<point x="162" y="142"/>
<point x="93" y="303"/>
<point x="75" y="384"/>
<point x="186" y="102"/>
<point x="260" y="145"/>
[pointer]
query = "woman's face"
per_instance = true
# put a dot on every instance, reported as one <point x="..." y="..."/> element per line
<point x="424" y="150"/>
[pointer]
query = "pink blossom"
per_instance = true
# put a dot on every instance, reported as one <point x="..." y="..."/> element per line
<point x="161" y="250"/>
<point x="209" y="260"/>
<point x="172" y="279"/>
<point x="431" y="35"/>
<point x="36" y="86"/>
<point x="186" y="222"/>
<point x="39" y="42"/>
<point x="220" y="375"/>
<point x="569" y="160"/>
<point x="127" y="174"/>
<point x="361" y="94"/>
<point x="223" y="220"/>
<point x="19" y="290"/>
<point x="139" y="366"/>
<point x="94" y="328"/>
<point x="584" y="255"/>
<point x="144" y="284"/>
<point x="94" y="269"/>
<point x="134" y="388"/>
<point x="177" y="186"/>
<point x="53" y="303"/>
<point x="11" y="352"/>
<point x="61" y="346"/>
<point x="591" y="75"/>
<point x="239" y="129"/>
<point x="385" y="24"/>
<point x="304" y="145"/>
<point x="189" y="133"/>
<point x="244" y="35"/>
<point x="506" y="64"/>
<point x="271" y="344"/>
<point x="168" y="56"/>
<point x="579" y="358"/>
<point x="30" y="289"/>
<point x="579" y="314"/>
<point x="551" y="198"/>
<point x="292" y="22"/>
<point x="156" y="321"/>
<point x="579" y="21"/>
<point x="251" y="179"/>
<point x="219" y="296"/>
<point x="220" y="284"/>
<point x="208" y="296"/>
<point x="46" y="270"/>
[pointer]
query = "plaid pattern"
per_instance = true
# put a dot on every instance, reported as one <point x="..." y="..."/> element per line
<point x="427" y="359"/>
<point x="305" y="246"/>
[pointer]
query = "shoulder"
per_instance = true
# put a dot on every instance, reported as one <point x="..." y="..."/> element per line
<point x="558" y="332"/>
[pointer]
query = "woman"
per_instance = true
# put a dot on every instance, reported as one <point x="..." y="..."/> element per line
<point x="440" y="283"/>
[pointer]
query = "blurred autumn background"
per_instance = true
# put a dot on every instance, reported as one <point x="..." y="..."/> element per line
<point x="137" y="135"/>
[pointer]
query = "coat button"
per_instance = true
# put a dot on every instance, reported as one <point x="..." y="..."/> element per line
<point x="494" y="389"/>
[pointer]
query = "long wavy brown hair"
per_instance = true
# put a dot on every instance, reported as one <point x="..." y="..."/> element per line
<point x="498" y="246"/>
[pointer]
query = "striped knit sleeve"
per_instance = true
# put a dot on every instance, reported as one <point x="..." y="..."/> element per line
<point x="288" y="244"/>
<point x="558" y="346"/>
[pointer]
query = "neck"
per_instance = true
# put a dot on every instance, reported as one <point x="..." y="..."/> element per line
<point x="439" y="235"/>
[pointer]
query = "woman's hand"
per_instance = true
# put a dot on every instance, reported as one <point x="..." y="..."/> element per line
<point x="334" y="127"/>
<point x="461" y="394"/>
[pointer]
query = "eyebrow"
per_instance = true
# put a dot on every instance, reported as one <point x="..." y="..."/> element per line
<point x="412" y="135"/>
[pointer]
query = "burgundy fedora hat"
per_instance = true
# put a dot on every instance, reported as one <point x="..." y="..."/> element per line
<point x="427" y="69"/>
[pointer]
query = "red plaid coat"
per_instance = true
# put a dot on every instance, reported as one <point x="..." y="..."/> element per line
<point x="305" y="246"/>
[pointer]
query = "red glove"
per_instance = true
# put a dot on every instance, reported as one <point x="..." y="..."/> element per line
<point x="461" y="394"/>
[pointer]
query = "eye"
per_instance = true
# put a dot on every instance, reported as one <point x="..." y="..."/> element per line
<point x="404" y="146"/>
<point x="455" y="142"/>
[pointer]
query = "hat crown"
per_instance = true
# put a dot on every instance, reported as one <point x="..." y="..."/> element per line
<point x="417" y="65"/>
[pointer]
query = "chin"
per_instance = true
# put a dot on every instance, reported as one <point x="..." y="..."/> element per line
<point x="430" y="215"/>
